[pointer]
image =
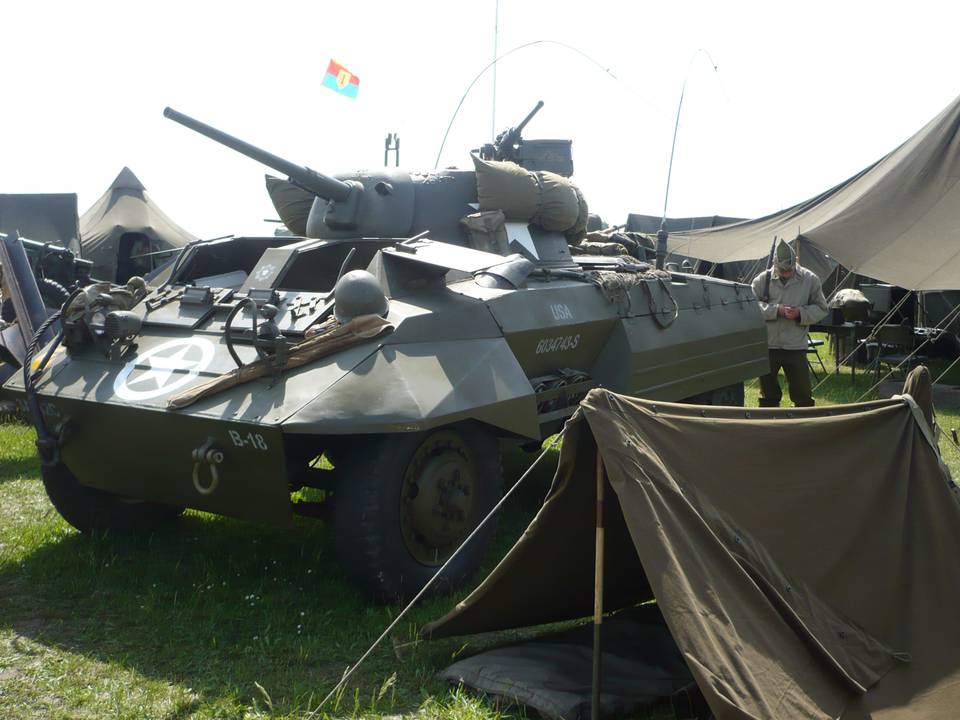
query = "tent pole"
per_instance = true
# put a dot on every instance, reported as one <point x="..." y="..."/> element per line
<point x="597" y="595"/>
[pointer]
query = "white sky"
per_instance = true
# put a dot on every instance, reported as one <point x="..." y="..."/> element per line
<point x="805" y="95"/>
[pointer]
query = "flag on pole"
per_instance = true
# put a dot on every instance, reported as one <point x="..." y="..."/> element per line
<point x="341" y="80"/>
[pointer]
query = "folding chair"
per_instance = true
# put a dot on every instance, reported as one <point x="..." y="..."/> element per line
<point x="893" y="347"/>
<point x="812" y="346"/>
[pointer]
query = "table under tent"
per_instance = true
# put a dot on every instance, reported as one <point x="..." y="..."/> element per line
<point x="738" y="582"/>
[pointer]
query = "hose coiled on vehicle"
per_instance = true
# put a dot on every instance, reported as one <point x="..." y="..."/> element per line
<point x="47" y="445"/>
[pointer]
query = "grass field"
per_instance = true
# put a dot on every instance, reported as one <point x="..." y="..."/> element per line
<point x="215" y="618"/>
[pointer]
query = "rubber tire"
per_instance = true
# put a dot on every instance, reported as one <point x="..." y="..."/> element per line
<point x="54" y="295"/>
<point x="90" y="510"/>
<point x="367" y="531"/>
<point x="728" y="395"/>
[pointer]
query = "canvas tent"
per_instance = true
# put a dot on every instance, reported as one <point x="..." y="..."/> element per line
<point x="804" y="560"/>
<point x="124" y="224"/>
<point x="740" y="270"/>
<point x="44" y="217"/>
<point x="650" y="224"/>
<point x="897" y="221"/>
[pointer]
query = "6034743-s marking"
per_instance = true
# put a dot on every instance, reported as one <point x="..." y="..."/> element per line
<point x="555" y="344"/>
<point x="249" y="439"/>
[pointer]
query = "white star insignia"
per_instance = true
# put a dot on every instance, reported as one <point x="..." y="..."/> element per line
<point x="161" y="368"/>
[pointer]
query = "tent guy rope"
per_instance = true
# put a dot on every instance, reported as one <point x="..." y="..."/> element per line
<point x="429" y="583"/>
<point x="948" y="319"/>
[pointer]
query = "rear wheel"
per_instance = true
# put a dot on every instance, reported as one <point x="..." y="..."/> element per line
<point x="405" y="503"/>
<point x="729" y="395"/>
<point x="91" y="510"/>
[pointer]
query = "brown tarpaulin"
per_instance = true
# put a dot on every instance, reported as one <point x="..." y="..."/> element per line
<point x="805" y="560"/>
<point x="291" y="202"/>
<point x="898" y="220"/>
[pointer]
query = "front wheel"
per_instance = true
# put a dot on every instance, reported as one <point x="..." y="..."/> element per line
<point x="405" y="503"/>
<point x="91" y="510"/>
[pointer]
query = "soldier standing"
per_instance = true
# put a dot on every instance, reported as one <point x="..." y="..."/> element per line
<point x="791" y="300"/>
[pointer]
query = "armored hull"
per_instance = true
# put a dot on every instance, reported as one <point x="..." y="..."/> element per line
<point x="382" y="367"/>
<point x="505" y="364"/>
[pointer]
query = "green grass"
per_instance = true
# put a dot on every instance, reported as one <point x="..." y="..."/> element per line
<point x="214" y="619"/>
<point x="219" y="618"/>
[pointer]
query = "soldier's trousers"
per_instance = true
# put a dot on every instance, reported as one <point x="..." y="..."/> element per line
<point x="794" y="364"/>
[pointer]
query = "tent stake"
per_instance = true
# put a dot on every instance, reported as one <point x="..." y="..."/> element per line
<point x="597" y="595"/>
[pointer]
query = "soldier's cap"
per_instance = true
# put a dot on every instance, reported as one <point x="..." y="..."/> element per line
<point x="785" y="258"/>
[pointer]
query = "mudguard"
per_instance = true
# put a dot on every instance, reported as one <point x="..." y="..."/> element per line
<point x="469" y="379"/>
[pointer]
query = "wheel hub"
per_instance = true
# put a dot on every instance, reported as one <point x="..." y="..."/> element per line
<point x="437" y="499"/>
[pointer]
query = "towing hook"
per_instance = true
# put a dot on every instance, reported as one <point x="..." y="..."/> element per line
<point x="48" y="446"/>
<point x="207" y="454"/>
<point x="49" y="451"/>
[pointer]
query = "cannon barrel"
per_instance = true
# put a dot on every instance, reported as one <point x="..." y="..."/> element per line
<point x="310" y="180"/>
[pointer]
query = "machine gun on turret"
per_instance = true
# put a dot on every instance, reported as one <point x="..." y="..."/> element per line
<point x="508" y="142"/>
<point x="552" y="155"/>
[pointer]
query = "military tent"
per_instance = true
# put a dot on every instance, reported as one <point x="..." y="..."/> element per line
<point x="121" y="230"/>
<point x="650" y="224"/>
<point x="897" y="220"/>
<point x="804" y="562"/>
<point x="44" y="217"/>
<point x="741" y="269"/>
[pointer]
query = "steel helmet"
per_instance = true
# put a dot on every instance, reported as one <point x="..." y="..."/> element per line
<point x="358" y="292"/>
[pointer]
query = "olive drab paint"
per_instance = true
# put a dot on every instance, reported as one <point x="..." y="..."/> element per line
<point x="471" y="352"/>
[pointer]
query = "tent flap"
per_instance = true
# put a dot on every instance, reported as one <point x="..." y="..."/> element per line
<point x="803" y="559"/>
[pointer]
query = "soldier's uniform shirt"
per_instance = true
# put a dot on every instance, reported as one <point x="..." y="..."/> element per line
<point x="802" y="290"/>
<point x="787" y="339"/>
